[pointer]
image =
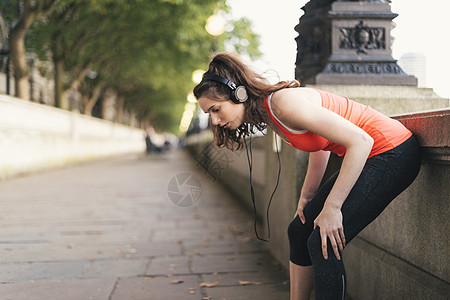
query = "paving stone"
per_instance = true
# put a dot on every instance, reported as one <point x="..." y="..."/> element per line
<point x="21" y="240"/>
<point x="222" y="248"/>
<point x="52" y="270"/>
<point x="219" y="240"/>
<point x="116" y="268"/>
<point x="164" y="224"/>
<point x="238" y="279"/>
<point x="169" y="265"/>
<point x="64" y="252"/>
<point x="250" y="292"/>
<point x="147" y="249"/>
<point x="232" y="263"/>
<point x="158" y="288"/>
<point x="191" y="223"/>
<point x="96" y="289"/>
<point x="185" y="234"/>
<point x="9" y="272"/>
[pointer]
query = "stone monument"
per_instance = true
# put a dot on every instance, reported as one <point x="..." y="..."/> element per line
<point x="347" y="43"/>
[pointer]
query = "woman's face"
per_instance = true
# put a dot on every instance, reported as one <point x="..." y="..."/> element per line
<point x="224" y="113"/>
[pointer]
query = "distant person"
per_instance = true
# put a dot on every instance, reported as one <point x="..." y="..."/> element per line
<point x="380" y="160"/>
<point x="151" y="146"/>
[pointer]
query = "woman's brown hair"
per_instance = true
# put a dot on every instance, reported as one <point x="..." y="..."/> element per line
<point x="229" y="66"/>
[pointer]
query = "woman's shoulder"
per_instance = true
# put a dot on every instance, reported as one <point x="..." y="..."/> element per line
<point x="284" y="98"/>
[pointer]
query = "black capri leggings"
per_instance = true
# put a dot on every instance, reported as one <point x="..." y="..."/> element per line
<point x="383" y="178"/>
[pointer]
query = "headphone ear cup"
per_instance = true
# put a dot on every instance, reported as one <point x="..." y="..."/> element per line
<point x="240" y="94"/>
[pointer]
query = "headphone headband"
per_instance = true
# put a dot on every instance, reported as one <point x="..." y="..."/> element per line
<point x="221" y="79"/>
<point x="238" y="93"/>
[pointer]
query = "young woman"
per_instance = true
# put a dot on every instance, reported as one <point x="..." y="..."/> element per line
<point x="380" y="160"/>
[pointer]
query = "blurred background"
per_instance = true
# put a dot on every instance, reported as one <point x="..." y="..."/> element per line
<point x="130" y="62"/>
<point x="124" y="70"/>
<point x="135" y="62"/>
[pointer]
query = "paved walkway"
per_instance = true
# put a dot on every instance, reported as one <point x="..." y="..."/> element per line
<point x="110" y="230"/>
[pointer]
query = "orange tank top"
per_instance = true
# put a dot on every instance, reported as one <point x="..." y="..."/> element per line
<point x="387" y="133"/>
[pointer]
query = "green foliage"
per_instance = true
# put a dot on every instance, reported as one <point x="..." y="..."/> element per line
<point x="146" y="50"/>
<point x="243" y="39"/>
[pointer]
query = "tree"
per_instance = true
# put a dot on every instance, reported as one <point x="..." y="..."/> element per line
<point x="143" y="50"/>
<point x="61" y="37"/>
<point x="22" y="14"/>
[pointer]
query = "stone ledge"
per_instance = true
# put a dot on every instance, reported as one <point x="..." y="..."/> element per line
<point x="378" y="274"/>
<point x="372" y="91"/>
<point x="432" y="130"/>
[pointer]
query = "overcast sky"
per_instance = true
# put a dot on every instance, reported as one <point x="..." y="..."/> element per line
<point x="420" y="27"/>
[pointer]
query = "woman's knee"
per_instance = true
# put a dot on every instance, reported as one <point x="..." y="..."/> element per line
<point x="314" y="245"/>
<point x="298" y="234"/>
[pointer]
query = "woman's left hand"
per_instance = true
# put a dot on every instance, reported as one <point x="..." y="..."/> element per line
<point x="330" y="224"/>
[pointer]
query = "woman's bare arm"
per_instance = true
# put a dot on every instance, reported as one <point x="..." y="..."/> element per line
<point x="317" y="165"/>
<point x="300" y="109"/>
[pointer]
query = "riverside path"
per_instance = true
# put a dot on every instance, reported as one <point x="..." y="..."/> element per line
<point x="130" y="227"/>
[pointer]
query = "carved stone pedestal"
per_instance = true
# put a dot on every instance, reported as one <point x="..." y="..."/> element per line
<point x="347" y="43"/>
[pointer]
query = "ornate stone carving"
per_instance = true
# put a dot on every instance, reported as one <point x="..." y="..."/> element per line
<point x="347" y="42"/>
<point x="363" y="68"/>
<point x="362" y="38"/>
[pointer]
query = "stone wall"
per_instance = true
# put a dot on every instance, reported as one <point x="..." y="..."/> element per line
<point x="36" y="137"/>
<point x="404" y="254"/>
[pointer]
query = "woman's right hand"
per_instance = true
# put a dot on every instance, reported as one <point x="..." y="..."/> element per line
<point x="300" y="207"/>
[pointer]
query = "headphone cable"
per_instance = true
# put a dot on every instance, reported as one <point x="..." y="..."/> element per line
<point x="252" y="191"/>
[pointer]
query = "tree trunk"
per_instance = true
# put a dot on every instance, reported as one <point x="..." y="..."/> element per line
<point x="19" y="61"/>
<point x="60" y="100"/>
<point x="133" y="120"/>
<point x="91" y="102"/>
<point x="85" y="100"/>
<point x="18" y="52"/>
<point x="120" y="103"/>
